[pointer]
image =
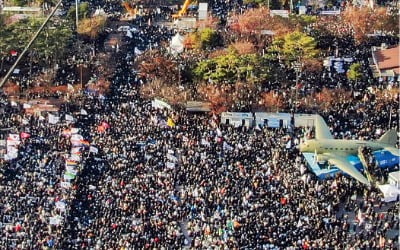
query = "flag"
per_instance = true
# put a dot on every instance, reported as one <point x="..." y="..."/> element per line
<point x="13" y="137"/>
<point x="25" y="135"/>
<point x="137" y="51"/>
<point x="74" y="130"/>
<point x="101" y="129"/>
<point x="76" y="137"/>
<point x="129" y="34"/>
<point x="360" y="217"/>
<point x="70" y="87"/>
<point x="84" y="142"/>
<point x="13" y="53"/>
<point x="69" y="176"/>
<point x="170" y="122"/>
<point x="75" y="157"/>
<point x="105" y="125"/>
<point x="93" y="149"/>
<point x="71" y="162"/>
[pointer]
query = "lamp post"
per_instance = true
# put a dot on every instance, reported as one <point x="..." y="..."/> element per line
<point x="76" y="13"/>
<point x="297" y="68"/>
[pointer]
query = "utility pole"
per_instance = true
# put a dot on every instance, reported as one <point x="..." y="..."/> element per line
<point x="76" y="13"/>
<point x="29" y="44"/>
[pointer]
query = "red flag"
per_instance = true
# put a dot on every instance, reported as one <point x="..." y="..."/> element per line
<point x="25" y="135"/>
<point x="13" y="53"/>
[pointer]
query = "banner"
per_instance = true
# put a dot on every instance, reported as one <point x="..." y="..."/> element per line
<point x="69" y="118"/>
<point x="56" y="220"/>
<point x="65" y="185"/>
<point x="53" y="119"/>
<point x="61" y="206"/>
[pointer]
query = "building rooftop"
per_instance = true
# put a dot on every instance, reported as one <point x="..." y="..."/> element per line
<point x="388" y="59"/>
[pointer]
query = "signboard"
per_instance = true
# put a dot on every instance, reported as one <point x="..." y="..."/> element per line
<point x="282" y="13"/>
<point x="156" y="103"/>
<point x="203" y="9"/>
<point x="330" y="12"/>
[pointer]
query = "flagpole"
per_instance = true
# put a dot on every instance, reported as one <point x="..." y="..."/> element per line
<point x="29" y="45"/>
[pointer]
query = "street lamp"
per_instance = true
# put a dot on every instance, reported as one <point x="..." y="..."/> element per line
<point x="297" y="68"/>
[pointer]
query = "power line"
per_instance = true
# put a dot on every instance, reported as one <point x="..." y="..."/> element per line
<point x="29" y="45"/>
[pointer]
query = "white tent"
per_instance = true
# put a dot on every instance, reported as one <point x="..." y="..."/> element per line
<point x="177" y="43"/>
<point x="390" y="193"/>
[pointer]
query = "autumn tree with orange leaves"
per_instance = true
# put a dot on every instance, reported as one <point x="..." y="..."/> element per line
<point x="254" y="21"/>
<point x="224" y="96"/>
<point x="364" y="21"/>
<point x="273" y="101"/>
<point x="312" y="65"/>
<point x="243" y="48"/>
<point x="171" y="92"/>
<point x="327" y="97"/>
<point x="159" y="67"/>
<point x="219" y="96"/>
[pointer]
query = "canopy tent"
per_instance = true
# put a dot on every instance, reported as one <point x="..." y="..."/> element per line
<point x="176" y="44"/>
<point x="390" y="192"/>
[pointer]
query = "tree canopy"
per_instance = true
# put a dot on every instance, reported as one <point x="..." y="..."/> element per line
<point x="92" y="27"/>
<point x="295" y="46"/>
<point x="49" y="44"/>
<point x="354" y="72"/>
<point x="231" y="67"/>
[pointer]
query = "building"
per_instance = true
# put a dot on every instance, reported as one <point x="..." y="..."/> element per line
<point x="237" y="119"/>
<point x="386" y="62"/>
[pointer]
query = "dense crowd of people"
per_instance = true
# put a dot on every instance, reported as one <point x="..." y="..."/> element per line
<point x="165" y="178"/>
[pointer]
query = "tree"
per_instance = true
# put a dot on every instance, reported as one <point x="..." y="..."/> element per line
<point x="365" y="20"/>
<point x="159" y="67"/>
<point x="231" y="68"/>
<point x="295" y="46"/>
<point x="49" y="44"/>
<point x="243" y="48"/>
<point x="20" y="2"/>
<point x="169" y="91"/>
<point x="92" y="27"/>
<point x="273" y="101"/>
<point x="219" y="96"/>
<point x="209" y="38"/>
<point x="328" y="97"/>
<point x="205" y="38"/>
<point x="355" y="72"/>
<point x="312" y="65"/>
<point x="83" y="11"/>
<point x="255" y="21"/>
<point x="272" y="4"/>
